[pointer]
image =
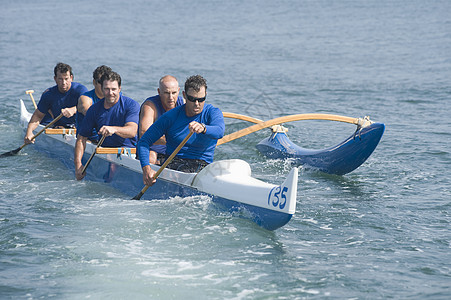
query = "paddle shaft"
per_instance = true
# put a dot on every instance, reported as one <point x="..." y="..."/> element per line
<point x="46" y="126"/>
<point x="290" y="118"/>
<point x="15" y="151"/>
<point x="30" y="92"/>
<point x="92" y="154"/>
<point x="165" y="164"/>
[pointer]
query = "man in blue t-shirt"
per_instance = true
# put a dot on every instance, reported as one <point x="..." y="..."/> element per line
<point x="153" y="107"/>
<point x="204" y="120"/>
<point x="59" y="99"/>
<point x="89" y="98"/>
<point x="115" y="117"/>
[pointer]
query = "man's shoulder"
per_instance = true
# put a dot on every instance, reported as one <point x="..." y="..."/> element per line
<point x="153" y="98"/>
<point x="76" y="86"/>
<point x="151" y="101"/>
<point x="90" y="93"/>
<point x="128" y="101"/>
<point x="130" y="105"/>
<point x="174" y="113"/>
<point x="177" y="109"/>
<point x="50" y="90"/>
<point x="210" y="108"/>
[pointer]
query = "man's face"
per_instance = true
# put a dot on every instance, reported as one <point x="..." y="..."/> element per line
<point x="169" y="91"/>
<point x="196" y="107"/>
<point x="111" y="90"/>
<point x="63" y="81"/>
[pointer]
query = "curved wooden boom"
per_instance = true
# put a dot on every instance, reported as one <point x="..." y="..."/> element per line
<point x="241" y="117"/>
<point x="290" y="118"/>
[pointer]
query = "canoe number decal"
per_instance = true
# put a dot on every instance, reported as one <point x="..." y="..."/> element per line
<point x="277" y="197"/>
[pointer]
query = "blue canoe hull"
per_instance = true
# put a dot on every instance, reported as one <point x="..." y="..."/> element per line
<point x="129" y="181"/>
<point x="340" y="159"/>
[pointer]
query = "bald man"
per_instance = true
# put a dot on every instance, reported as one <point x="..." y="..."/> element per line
<point x="153" y="107"/>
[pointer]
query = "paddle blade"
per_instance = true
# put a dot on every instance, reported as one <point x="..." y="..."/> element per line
<point x="11" y="153"/>
<point x="137" y="197"/>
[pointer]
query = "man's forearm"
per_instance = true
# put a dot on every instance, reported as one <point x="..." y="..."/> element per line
<point x="126" y="131"/>
<point x="33" y="124"/>
<point x="80" y="146"/>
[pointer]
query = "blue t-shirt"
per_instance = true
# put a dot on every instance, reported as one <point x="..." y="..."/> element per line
<point x="52" y="99"/>
<point x="124" y="111"/>
<point x="174" y="124"/>
<point x="79" y="117"/>
<point x="156" y="100"/>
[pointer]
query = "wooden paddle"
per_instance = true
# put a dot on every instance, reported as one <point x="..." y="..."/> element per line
<point x="166" y="163"/>
<point x="15" y="151"/>
<point x="290" y="118"/>
<point x="30" y="92"/>
<point x="92" y="154"/>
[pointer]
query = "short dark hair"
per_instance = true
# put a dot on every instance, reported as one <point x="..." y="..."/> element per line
<point x="195" y="82"/>
<point x="112" y="76"/>
<point x="99" y="71"/>
<point x="62" y="68"/>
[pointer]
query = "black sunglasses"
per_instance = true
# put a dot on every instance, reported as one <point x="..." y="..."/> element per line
<point x="192" y="99"/>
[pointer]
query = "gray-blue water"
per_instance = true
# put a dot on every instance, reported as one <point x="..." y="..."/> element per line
<point x="382" y="231"/>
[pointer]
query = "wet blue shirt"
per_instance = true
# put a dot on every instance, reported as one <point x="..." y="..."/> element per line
<point x="124" y="111"/>
<point x="174" y="124"/>
<point x="53" y="100"/>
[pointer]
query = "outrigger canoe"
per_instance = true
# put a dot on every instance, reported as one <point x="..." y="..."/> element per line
<point x="339" y="159"/>
<point x="228" y="182"/>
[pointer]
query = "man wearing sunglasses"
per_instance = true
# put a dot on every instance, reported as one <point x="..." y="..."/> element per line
<point x="204" y="120"/>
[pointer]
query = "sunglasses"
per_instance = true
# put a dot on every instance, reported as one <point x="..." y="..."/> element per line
<point x="192" y="99"/>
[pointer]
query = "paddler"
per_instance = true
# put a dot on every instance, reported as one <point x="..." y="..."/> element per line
<point x="115" y="116"/>
<point x="59" y="99"/>
<point x="89" y="98"/>
<point x="153" y="107"/>
<point x="204" y="120"/>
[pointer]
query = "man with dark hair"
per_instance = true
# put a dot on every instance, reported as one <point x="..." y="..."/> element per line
<point x="204" y="120"/>
<point x="89" y="98"/>
<point x="59" y="99"/>
<point x="155" y="106"/>
<point x="115" y="117"/>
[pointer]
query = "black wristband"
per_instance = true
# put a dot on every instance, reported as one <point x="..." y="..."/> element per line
<point x="205" y="128"/>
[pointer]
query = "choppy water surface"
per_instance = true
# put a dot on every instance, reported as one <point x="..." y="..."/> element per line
<point x="382" y="231"/>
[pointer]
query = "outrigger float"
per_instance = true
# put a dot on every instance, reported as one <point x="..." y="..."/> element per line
<point x="339" y="159"/>
<point x="227" y="182"/>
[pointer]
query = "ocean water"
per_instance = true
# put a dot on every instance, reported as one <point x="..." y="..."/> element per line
<point x="382" y="231"/>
